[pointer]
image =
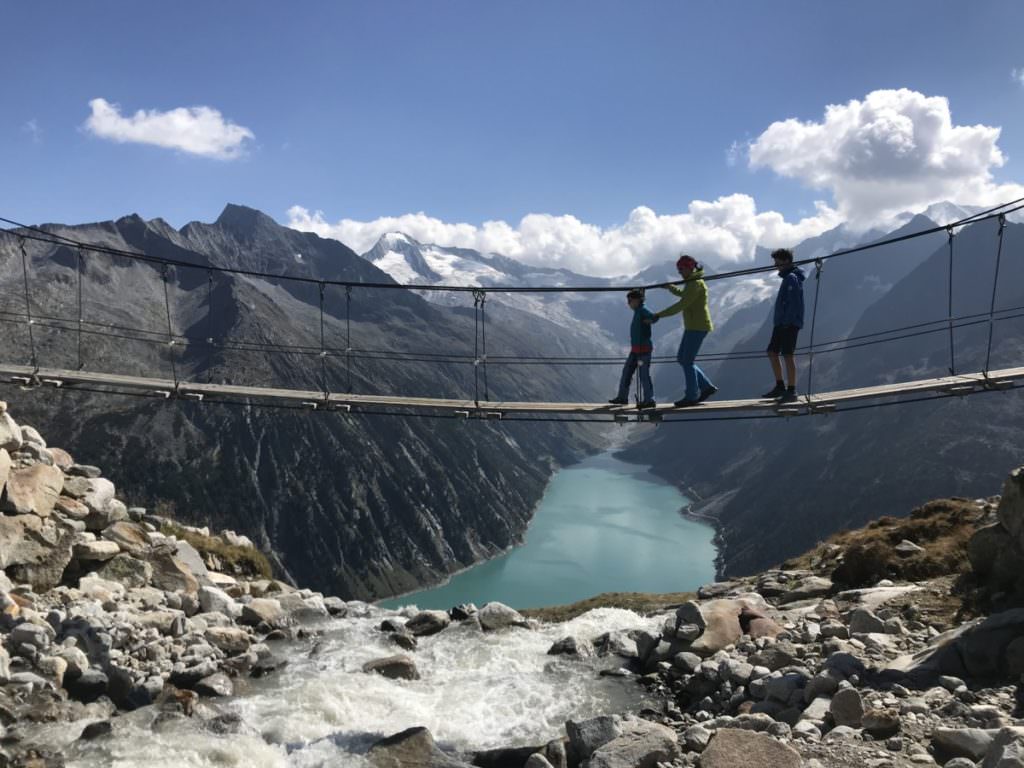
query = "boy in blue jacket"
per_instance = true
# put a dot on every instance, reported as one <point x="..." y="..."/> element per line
<point x="788" y="320"/>
<point x="640" y="351"/>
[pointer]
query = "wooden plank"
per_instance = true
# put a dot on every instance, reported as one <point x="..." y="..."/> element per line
<point x="819" y="403"/>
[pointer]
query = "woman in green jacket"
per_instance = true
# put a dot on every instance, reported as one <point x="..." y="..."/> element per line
<point x="693" y="303"/>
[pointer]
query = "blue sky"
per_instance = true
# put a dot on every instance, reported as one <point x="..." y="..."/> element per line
<point x="472" y="112"/>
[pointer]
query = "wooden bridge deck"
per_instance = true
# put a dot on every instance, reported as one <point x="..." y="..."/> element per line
<point x="823" y="402"/>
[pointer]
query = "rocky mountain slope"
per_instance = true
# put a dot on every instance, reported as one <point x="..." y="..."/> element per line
<point x="115" y="632"/>
<point x="358" y="505"/>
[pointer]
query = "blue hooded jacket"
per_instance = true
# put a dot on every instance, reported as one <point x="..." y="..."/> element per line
<point x="789" y="304"/>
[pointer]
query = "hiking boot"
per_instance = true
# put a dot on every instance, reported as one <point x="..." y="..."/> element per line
<point x="777" y="391"/>
<point x="685" y="403"/>
<point x="647" y="404"/>
<point x="706" y="393"/>
<point x="789" y="396"/>
<point x="618" y="401"/>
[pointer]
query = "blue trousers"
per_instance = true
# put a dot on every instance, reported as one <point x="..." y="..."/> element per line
<point x="634" y="361"/>
<point x="696" y="381"/>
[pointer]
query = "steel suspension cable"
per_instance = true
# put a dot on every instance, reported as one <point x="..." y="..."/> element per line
<point x="483" y="341"/>
<point x="476" y="347"/>
<point x="995" y="286"/>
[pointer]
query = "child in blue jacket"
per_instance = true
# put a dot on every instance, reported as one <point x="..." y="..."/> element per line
<point x="640" y="351"/>
<point x="788" y="320"/>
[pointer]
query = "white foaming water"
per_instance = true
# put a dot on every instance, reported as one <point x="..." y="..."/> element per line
<point x="477" y="691"/>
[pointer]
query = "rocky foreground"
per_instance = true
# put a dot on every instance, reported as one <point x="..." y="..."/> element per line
<point x="107" y="608"/>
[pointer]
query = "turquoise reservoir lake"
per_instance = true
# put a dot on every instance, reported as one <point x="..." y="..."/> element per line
<point x="602" y="526"/>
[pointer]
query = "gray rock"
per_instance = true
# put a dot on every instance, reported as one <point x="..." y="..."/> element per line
<point x="618" y="643"/>
<point x="412" y="748"/>
<point x="847" y="708"/>
<point x="696" y="738"/>
<point x="84" y="470"/>
<point x="496" y="615"/>
<point x="1007" y="750"/>
<point x="738" y="748"/>
<point x="395" y="667"/>
<point x="972" y="743"/>
<point x="690" y="613"/>
<point x="881" y="723"/>
<point x="216" y="600"/>
<point x="537" y="760"/>
<point x="5" y="468"/>
<point x="427" y="623"/>
<point x="36" y="635"/>
<point x="686" y="661"/>
<point x="231" y="640"/>
<point x="807" y="589"/>
<point x="126" y="570"/>
<point x="99" y="492"/>
<point x="10" y="433"/>
<point x="641" y="744"/>
<point x="822" y="684"/>
<point x="336" y="606"/>
<point x="1011" y="507"/>
<point x="960" y="762"/>
<point x="32" y="490"/>
<point x="34" y="550"/>
<point x="188" y="555"/>
<point x="264" y="610"/>
<point x="172" y="575"/>
<point x="585" y="736"/>
<point x="863" y="621"/>
<point x="5" y="665"/>
<point x="217" y="684"/>
<point x="817" y="709"/>
<point x="88" y="687"/>
<point x="95" y="551"/>
<point x="907" y="548"/>
<point x="131" y="537"/>
<point x="571" y="646"/>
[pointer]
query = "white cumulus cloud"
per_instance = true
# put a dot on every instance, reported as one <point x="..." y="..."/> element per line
<point x="893" y="151"/>
<point x="196" y="130"/>
<point x="722" y="232"/>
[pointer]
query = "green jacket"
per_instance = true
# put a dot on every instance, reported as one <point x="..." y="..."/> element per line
<point x="693" y="303"/>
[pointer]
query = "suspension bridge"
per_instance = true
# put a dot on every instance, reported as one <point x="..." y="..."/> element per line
<point x="37" y="375"/>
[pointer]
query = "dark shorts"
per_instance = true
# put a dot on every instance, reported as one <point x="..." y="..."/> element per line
<point x="783" y="340"/>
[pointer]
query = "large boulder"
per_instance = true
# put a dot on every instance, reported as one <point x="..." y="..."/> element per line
<point x="738" y="748"/>
<point x="497" y="615"/>
<point x="10" y="432"/>
<point x="127" y="570"/>
<point x="131" y="537"/>
<point x="231" y="640"/>
<point x="263" y="610"/>
<point x="640" y="744"/>
<point x="34" y="550"/>
<point x="994" y="557"/>
<point x="172" y="575"/>
<point x="1007" y="750"/>
<point x="1011" y="506"/>
<point x="93" y="551"/>
<point x="428" y="623"/>
<point x="972" y="743"/>
<point x="399" y="667"/>
<point x="5" y="468"/>
<point x="585" y="736"/>
<point x="723" y="626"/>
<point x="32" y="490"/>
<point x="412" y="748"/>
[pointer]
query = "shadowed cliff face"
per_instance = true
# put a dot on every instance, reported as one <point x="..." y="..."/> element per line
<point x="359" y="506"/>
<point x="778" y="486"/>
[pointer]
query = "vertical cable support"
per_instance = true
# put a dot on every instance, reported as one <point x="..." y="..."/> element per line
<point x="995" y="285"/>
<point x="818" y="263"/>
<point x="209" y="326"/>
<point x="323" y="351"/>
<point x="28" y="304"/>
<point x="952" y="356"/>
<point x="348" y="336"/>
<point x="170" y="328"/>
<point x="80" y="266"/>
